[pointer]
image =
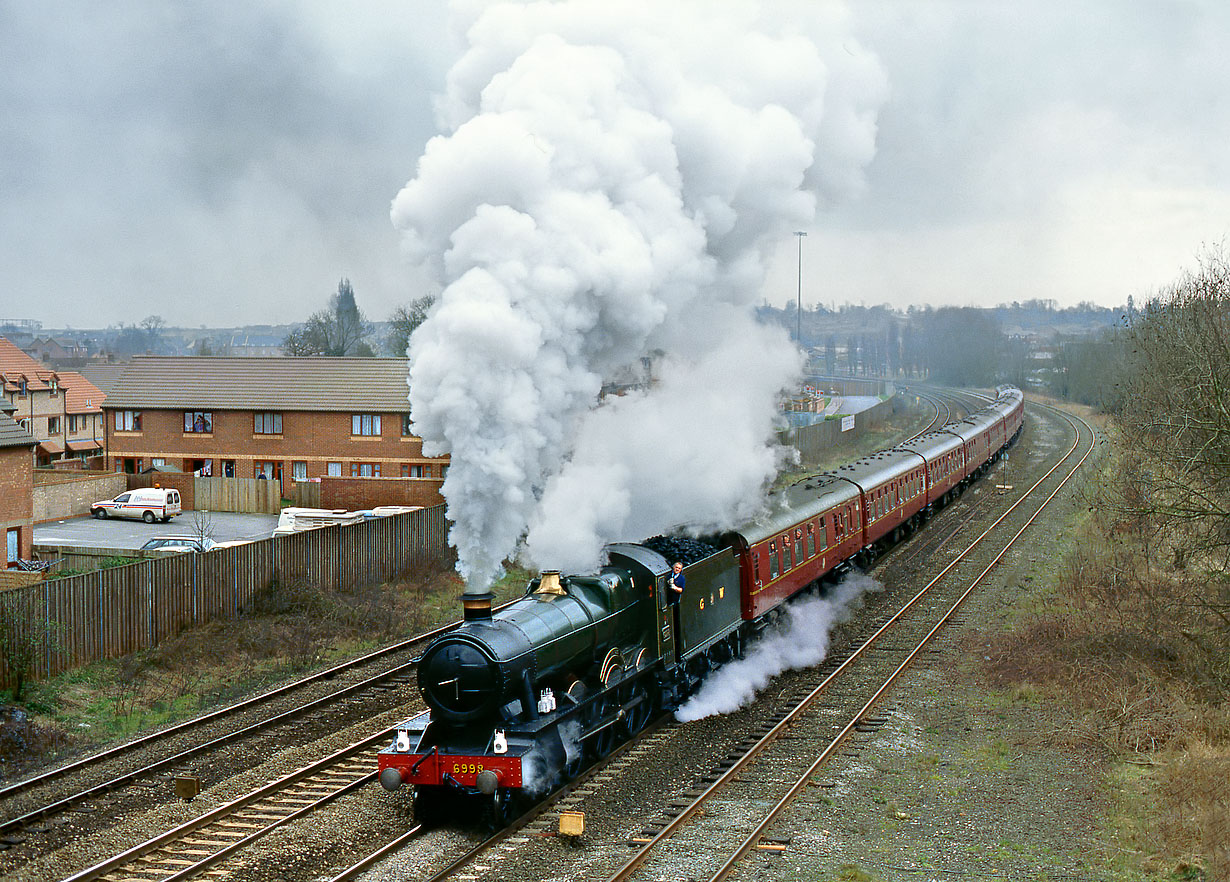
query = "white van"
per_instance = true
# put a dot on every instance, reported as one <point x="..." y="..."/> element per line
<point x="147" y="503"/>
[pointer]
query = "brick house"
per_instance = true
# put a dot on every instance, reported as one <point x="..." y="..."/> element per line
<point x="16" y="486"/>
<point x="283" y="418"/>
<point x="61" y="409"/>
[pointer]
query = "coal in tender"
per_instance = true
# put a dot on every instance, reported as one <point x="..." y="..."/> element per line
<point x="681" y="548"/>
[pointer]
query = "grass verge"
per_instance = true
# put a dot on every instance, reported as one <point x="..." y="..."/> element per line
<point x="285" y="632"/>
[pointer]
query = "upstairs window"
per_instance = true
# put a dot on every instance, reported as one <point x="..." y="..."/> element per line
<point x="267" y="423"/>
<point x="128" y="421"/>
<point x="53" y="425"/>
<point x="365" y="424"/>
<point x="198" y="422"/>
<point x="406" y="425"/>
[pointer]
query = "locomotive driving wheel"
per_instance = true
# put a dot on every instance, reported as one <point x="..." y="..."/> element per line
<point x="603" y="741"/>
<point x="638" y="715"/>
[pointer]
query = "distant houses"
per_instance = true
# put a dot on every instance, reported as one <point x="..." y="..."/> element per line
<point x="61" y="409"/>
<point x="281" y="419"/>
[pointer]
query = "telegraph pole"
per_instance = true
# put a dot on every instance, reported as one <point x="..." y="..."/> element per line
<point x="798" y="330"/>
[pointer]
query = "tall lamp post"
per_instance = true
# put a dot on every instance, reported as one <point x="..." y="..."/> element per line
<point x="798" y="330"/>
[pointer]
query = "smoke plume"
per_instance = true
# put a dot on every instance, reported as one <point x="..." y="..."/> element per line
<point x="799" y="641"/>
<point x="610" y="183"/>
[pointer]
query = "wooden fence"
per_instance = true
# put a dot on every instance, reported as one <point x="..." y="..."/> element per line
<point x="110" y="613"/>
<point x="238" y="494"/>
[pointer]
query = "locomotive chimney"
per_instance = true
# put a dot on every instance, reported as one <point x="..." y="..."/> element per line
<point x="476" y="606"/>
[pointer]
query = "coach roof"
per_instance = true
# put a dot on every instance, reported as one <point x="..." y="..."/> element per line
<point x="351" y="385"/>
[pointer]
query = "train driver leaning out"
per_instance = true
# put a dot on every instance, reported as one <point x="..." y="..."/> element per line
<point x="677" y="581"/>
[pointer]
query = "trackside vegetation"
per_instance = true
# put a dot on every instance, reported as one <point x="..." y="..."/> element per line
<point x="1136" y="636"/>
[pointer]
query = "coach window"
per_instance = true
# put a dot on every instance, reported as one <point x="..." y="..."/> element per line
<point x="786" y="564"/>
<point x="811" y="540"/>
<point x="798" y="545"/>
<point x="773" y="570"/>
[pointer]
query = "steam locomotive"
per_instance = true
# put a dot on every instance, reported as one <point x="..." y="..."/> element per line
<point x="518" y="699"/>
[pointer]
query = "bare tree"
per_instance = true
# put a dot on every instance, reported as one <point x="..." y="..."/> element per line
<point x="1175" y="407"/>
<point x="403" y="322"/>
<point x="338" y="330"/>
<point x="23" y="634"/>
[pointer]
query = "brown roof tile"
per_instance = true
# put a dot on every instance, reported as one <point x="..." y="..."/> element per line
<point x="15" y="364"/>
<point x="353" y="385"/>
<point x="80" y="395"/>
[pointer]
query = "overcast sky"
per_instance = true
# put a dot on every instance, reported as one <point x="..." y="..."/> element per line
<point x="220" y="163"/>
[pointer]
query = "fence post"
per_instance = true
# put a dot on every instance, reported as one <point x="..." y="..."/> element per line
<point x="47" y="630"/>
<point x="99" y="649"/>
<point x="149" y="605"/>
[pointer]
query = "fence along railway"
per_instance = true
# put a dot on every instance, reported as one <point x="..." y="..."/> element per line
<point x="113" y="612"/>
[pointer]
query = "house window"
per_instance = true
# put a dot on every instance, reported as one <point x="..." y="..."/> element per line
<point x="158" y="461"/>
<point x="198" y="422"/>
<point x="54" y="387"/>
<point x="24" y="423"/>
<point x="74" y="422"/>
<point x="128" y="421"/>
<point x="416" y="471"/>
<point x="298" y="470"/>
<point x="267" y="423"/>
<point x="265" y="469"/>
<point x="334" y="470"/>
<point x="365" y="424"/>
<point x="406" y="427"/>
<point x="53" y="425"/>
<point x="365" y="470"/>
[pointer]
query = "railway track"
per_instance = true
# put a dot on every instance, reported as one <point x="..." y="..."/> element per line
<point x="211" y="839"/>
<point x="729" y="812"/>
<point x="34" y="807"/>
<point x="784" y="761"/>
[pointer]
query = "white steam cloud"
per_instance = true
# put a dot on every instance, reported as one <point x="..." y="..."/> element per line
<point x="800" y="640"/>
<point x="611" y="181"/>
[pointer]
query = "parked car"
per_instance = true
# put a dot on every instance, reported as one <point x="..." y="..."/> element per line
<point x="188" y="543"/>
<point x="180" y="543"/>
<point x="146" y="503"/>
